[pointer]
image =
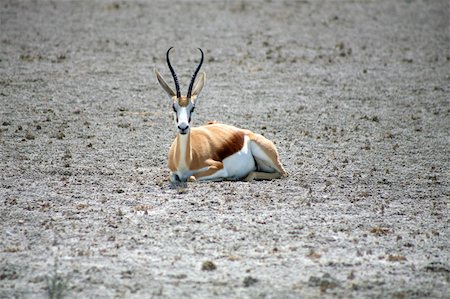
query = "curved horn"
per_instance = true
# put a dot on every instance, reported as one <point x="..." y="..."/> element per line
<point x="175" y="79"/>
<point x="194" y="75"/>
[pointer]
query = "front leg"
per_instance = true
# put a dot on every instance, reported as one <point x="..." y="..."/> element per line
<point x="214" y="171"/>
<point x="175" y="179"/>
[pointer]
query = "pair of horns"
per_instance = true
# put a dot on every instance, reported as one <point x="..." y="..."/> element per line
<point x="175" y="79"/>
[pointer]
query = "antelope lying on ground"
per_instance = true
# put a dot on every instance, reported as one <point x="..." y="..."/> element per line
<point x="215" y="151"/>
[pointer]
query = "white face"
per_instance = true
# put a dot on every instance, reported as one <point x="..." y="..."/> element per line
<point x="183" y="116"/>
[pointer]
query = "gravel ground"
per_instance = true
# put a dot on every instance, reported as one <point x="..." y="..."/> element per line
<point x="355" y="94"/>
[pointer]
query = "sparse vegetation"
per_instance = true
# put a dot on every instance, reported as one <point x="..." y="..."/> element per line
<point x="56" y="284"/>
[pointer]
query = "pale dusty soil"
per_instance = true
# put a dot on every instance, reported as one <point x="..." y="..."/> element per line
<point x="355" y="94"/>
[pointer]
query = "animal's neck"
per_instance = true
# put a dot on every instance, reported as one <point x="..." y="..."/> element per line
<point x="184" y="150"/>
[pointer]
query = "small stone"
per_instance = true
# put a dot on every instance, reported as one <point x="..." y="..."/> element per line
<point x="396" y="258"/>
<point x="60" y="135"/>
<point x="208" y="266"/>
<point x="249" y="281"/>
<point x="30" y="136"/>
<point x="351" y="276"/>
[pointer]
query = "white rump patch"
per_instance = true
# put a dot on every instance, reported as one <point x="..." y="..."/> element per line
<point x="240" y="164"/>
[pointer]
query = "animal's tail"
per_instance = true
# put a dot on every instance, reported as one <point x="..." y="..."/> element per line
<point x="211" y="122"/>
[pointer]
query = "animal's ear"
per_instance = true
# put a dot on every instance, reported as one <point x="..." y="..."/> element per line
<point x="199" y="83"/>
<point x="164" y="85"/>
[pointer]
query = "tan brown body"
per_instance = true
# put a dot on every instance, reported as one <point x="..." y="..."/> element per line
<point x="215" y="151"/>
<point x="208" y="146"/>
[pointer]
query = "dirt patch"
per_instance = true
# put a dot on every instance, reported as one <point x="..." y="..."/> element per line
<point x="354" y="95"/>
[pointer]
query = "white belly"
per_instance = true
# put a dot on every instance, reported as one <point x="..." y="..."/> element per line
<point x="241" y="163"/>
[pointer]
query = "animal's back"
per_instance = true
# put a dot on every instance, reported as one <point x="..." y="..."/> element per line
<point x="217" y="141"/>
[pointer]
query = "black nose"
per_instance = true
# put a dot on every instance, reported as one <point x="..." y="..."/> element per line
<point x="183" y="128"/>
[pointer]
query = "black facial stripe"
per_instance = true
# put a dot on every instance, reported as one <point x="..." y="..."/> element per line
<point x="192" y="110"/>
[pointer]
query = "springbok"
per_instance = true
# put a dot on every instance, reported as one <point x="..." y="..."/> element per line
<point x="215" y="151"/>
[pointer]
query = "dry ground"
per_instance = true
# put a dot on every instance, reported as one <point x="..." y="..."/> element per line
<point x="354" y="93"/>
